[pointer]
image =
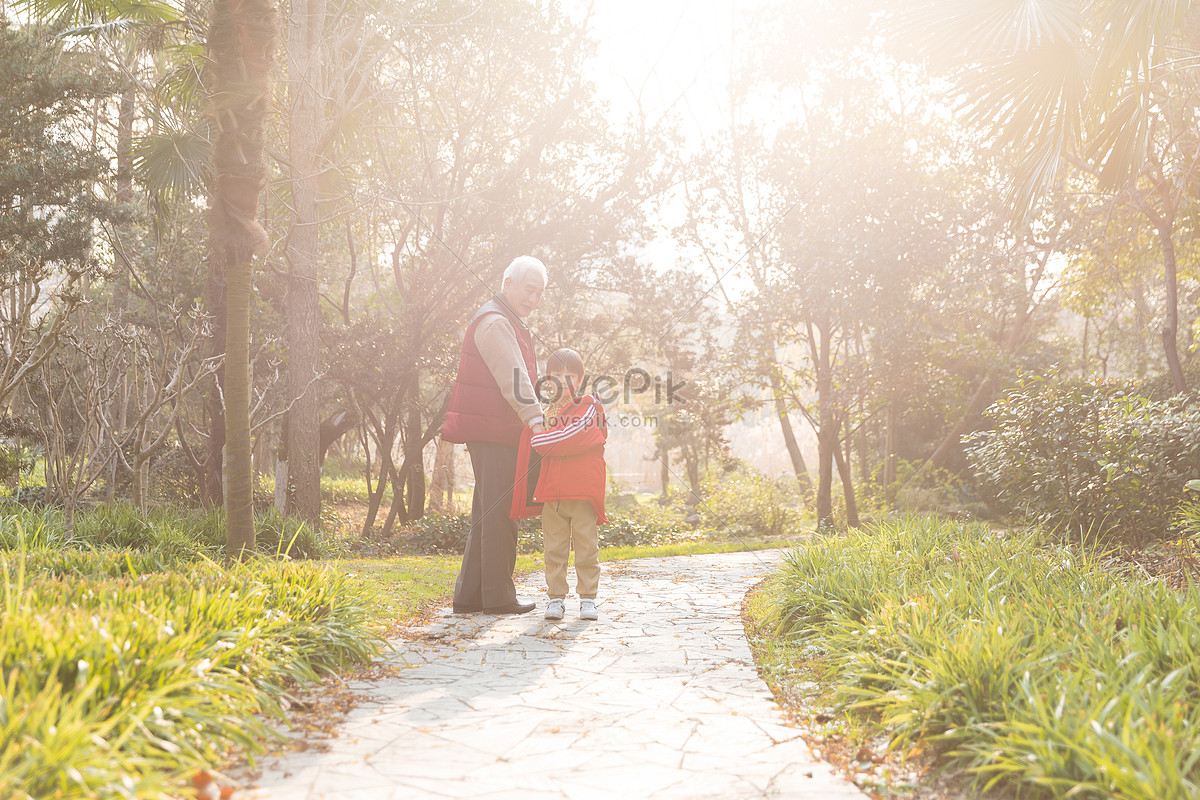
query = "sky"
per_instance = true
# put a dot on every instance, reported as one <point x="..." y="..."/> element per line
<point x="667" y="55"/>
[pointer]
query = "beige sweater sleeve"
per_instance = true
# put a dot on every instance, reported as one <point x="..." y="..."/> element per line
<point x="497" y="343"/>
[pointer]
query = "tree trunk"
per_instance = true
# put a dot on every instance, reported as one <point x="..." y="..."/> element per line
<point x="385" y="442"/>
<point x="1171" y="324"/>
<point x="408" y="493"/>
<point x="664" y="477"/>
<point x="397" y="510"/>
<point x="889" y="458"/>
<point x="826" y="436"/>
<point x="239" y="477"/>
<point x="789" y="437"/>
<point x="693" y="472"/>
<point x="306" y="29"/>
<point x="68" y="517"/>
<point x="241" y="45"/>
<point x="441" y="495"/>
<point x="141" y="480"/>
<point x="843" y="465"/>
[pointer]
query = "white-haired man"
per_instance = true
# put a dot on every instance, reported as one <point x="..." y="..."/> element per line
<point x="492" y="402"/>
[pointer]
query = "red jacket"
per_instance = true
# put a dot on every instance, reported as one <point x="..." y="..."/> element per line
<point x="478" y="411"/>
<point x="572" y="466"/>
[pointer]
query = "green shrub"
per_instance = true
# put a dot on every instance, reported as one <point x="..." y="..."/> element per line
<point x="276" y="533"/>
<point x="935" y="490"/>
<point x="441" y="534"/>
<point x="635" y="530"/>
<point x="743" y="500"/>
<point x="446" y="534"/>
<point x="432" y="534"/>
<point x="120" y="682"/>
<point x="1088" y="458"/>
<point x="121" y="526"/>
<point x="1042" y="668"/>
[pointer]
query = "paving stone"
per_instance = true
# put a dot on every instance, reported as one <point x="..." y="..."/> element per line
<point x="658" y="698"/>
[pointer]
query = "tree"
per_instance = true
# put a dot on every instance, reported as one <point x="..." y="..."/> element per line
<point x="241" y="45"/>
<point x="486" y="142"/>
<point x="1097" y="85"/>
<point x="48" y="200"/>
<point x="301" y="472"/>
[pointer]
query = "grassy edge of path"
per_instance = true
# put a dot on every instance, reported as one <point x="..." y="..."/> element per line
<point x="1008" y="663"/>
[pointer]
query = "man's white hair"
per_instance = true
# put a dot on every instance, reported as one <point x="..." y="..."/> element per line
<point x="520" y="267"/>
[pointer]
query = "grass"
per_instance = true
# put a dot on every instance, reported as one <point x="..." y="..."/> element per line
<point x="171" y="534"/>
<point x="1044" y="670"/>
<point x="121" y="679"/>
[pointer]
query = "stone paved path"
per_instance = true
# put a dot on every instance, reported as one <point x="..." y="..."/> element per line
<point x="658" y="699"/>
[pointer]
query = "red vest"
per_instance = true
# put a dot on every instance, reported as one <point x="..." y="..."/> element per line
<point x="478" y="411"/>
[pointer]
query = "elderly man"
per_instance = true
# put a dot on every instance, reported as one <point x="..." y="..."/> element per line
<point x="492" y="401"/>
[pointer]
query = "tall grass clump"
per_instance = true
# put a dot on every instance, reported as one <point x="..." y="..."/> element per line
<point x="1043" y="668"/>
<point x="119" y="680"/>
<point x="170" y="533"/>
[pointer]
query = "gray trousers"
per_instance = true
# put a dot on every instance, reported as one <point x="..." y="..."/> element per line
<point x="485" y="579"/>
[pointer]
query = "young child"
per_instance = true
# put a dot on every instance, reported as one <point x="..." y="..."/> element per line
<point x="571" y="485"/>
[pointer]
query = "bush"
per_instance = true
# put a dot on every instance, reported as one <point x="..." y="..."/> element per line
<point x="435" y="534"/>
<point x="743" y="500"/>
<point x="1090" y="459"/>
<point x="633" y="530"/>
<point x="172" y="479"/>
<point x="446" y="534"/>
<point x="645" y="526"/>
<point x="121" y="681"/>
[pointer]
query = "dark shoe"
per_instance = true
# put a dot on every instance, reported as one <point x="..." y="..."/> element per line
<point x="467" y="609"/>
<point x="515" y="607"/>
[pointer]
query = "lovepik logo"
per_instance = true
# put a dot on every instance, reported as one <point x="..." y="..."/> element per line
<point x="607" y="388"/>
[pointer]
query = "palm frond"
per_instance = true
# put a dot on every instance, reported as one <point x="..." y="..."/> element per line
<point x="83" y="13"/>
<point x="174" y="164"/>
<point x="1038" y="94"/>
<point x="182" y="87"/>
<point x="1133" y="32"/>
<point x="112" y="26"/>
<point x="1122" y="137"/>
<point x="992" y="28"/>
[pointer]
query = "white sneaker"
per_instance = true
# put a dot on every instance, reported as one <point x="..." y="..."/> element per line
<point x="554" y="609"/>
<point x="587" y="609"/>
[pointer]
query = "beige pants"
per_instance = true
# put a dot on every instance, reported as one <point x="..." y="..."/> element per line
<point x="567" y="522"/>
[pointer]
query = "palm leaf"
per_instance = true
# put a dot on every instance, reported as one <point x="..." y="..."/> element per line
<point x="81" y="13"/>
<point x="1122" y="137"/>
<point x="992" y="28"/>
<point x="1044" y="77"/>
<point x="182" y="87"/>
<point x="1133" y="32"/>
<point x="174" y="164"/>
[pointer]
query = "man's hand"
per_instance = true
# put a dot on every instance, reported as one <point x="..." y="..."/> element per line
<point x="537" y="426"/>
